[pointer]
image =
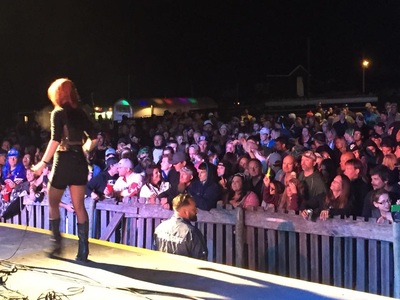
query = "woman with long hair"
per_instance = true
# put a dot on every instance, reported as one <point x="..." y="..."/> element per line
<point x="272" y="192"/>
<point x="293" y="195"/>
<point x="239" y="195"/>
<point x="339" y="201"/>
<point x="306" y="139"/>
<point x="70" y="126"/>
<point x="154" y="185"/>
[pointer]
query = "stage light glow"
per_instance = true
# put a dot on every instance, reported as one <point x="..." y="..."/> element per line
<point x="183" y="100"/>
<point x="143" y="103"/>
<point x="124" y="102"/>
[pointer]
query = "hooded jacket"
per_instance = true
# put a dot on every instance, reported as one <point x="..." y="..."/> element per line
<point x="206" y="194"/>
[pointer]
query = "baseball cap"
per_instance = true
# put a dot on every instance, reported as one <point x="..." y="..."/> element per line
<point x="111" y="161"/>
<point x="12" y="152"/>
<point x="264" y="130"/>
<point x="143" y="151"/>
<point x="187" y="170"/>
<point x="202" y="138"/>
<point x="125" y="163"/>
<point x="353" y="147"/>
<point x="207" y="122"/>
<point x="178" y="157"/>
<point x="225" y="164"/>
<point x="375" y="136"/>
<point x="309" y="154"/>
<point x="110" y="151"/>
<point x="274" y="159"/>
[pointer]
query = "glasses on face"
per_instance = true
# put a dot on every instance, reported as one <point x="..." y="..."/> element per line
<point x="384" y="202"/>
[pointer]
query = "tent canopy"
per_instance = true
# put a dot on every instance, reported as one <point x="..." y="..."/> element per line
<point x="157" y="106"/>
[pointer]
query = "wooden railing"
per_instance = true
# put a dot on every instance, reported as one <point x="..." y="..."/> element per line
<point x="342" y="252"/>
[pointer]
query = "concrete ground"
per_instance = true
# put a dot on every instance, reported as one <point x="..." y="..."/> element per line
<point x="124" y="272"/>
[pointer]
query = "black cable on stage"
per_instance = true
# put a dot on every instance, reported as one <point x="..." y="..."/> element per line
<point x="24" y="234"/>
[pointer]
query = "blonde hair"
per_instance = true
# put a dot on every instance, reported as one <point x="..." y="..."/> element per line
<point x="390" y="160"/>
<point x="62" y="92"/>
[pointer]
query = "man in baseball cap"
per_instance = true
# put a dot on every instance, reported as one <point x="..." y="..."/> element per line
<point x="128" y="184"/>
<point x="313" y="183"/>
<point x="96" y="186"/>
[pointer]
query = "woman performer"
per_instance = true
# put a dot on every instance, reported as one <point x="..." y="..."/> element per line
<point x="70" y="126"/>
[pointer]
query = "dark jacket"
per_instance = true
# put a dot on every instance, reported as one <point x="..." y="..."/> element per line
<point x="98" y="183"/>
<point x="179" y="236"/>
<point x="315" y="190"/>
<point x="205" y="194"/>
<point x="359" y="189"/>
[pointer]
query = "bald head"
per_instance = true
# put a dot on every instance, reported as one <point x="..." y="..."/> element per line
<point x="346" y="156"/>
<point x="288" y="163"/>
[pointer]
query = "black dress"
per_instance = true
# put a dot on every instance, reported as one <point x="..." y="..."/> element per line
<point x="70" y="127"/>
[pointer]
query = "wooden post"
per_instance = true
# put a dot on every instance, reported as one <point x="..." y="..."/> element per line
<point x="396" y="259"/>
<point x="239" y="241"/>
<point x="90" y="206"/>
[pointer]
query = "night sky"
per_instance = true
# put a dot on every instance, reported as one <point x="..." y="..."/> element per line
<point x="137" y="49"/>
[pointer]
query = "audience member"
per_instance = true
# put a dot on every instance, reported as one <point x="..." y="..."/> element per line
<point x="96" y="186"/>
<point x="315" y="189"/>
<point x="293" y="195"/>
<point x="153" y="185"/>
<point x="128" y="184"/>
<point x="339" y="200"/>
<point x="239" y="195"/>
<point x="205" y="191"/>
<point x="359" y="187"/>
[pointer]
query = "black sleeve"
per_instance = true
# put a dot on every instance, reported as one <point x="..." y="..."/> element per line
<point x="57" y="125"/>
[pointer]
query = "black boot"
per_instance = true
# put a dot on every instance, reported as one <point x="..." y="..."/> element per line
<point x="83" y="246"/>
<point x="55" y="240"/>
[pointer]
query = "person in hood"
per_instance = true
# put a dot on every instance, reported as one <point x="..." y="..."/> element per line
<point x="205" y="191"/>
<point x="373" y="156"/>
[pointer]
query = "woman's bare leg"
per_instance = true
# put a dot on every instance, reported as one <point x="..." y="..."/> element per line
<point x="78" y="200"/>
<point x="54" y="202"/>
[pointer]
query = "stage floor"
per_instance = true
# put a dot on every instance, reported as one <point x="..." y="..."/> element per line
<point x="123" y="272"/>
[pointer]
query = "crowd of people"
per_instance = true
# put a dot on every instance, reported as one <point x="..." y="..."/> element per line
<point x="329" y="162"/>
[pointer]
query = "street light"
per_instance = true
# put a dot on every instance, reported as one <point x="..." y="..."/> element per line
<point x="364" y="65"/>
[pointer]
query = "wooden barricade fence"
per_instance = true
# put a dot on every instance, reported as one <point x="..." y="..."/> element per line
<point x="342" y="252"/>
<point x="346" y="253"/>
<point x="134" y="225"/>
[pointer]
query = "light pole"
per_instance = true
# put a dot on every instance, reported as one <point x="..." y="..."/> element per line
<point x="364" y="65"/>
